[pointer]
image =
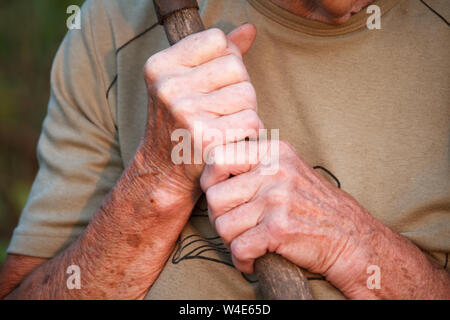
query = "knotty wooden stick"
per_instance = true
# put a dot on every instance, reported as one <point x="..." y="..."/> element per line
<point x="279" y="279"/>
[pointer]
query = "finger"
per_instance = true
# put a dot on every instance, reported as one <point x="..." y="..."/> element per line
<point x="237" y="221"/>
<point x="243" y="37"/>
<point x="231" y="128"/>
<point x="249" y="246"/>
<point x="199" y="48"/>
<point x="230" y="99"/>
<point x="225" y="101"/>
<point x="216" y="74"/>
<point x="232" y="193"/>
<point x="226" y="160"/>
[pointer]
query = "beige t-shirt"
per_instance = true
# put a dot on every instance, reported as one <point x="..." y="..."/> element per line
<point x="370" y="106"/>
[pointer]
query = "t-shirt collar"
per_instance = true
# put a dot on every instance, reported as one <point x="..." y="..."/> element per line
<point x="316" y="28"/>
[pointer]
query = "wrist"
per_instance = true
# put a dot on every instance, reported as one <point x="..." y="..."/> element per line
<point x="149" y="189"/>
<point x="154" y="173"/>
<point x="356" y="263"/>
<point x="156" y="164"/>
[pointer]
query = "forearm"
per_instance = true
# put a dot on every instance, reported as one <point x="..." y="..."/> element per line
<point x="405" y="271"/>
<point x="126" y="245"/>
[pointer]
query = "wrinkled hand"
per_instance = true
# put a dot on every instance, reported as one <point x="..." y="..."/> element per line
<point x="200" y="81"/>
<point x="296" y="213"/>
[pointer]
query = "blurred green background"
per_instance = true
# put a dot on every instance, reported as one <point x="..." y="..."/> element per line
<point x="30" y="33"/>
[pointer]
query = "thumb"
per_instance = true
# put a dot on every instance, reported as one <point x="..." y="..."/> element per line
<point x="243" y="37"/>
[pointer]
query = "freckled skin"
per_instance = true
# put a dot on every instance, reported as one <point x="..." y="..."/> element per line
<point x="131" y="236"/>
<point x="297" y="213"/>
<point x="46" y="279"/>
<point x="134" y="240"/>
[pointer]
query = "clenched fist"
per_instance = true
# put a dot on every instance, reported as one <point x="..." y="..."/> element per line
<point x="295" y="212"/>
<point x="200" y="81"/>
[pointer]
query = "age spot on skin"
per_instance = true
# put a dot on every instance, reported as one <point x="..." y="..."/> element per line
<point x="46" y="279"/>
<point x="134" y="240"/>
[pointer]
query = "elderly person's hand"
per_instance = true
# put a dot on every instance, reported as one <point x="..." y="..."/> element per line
<point x="199" y="84"/>
<point x="294" y="212"/>
<point x="298" y="214"/>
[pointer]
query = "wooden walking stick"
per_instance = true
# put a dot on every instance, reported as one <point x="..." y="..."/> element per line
<point x="278" y="278"/>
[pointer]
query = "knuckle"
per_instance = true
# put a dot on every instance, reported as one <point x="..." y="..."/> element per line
<point x="165" y="90"/>
<point x="248" y="93"/>
<point x="251" y="95"/>
<point x="236" y="67"/>
<point x="277" y="227"/>
<point x="182" y="111"/>
<point x="282" y="174"/>
<point x="212" y="157"/>
<point x="212" y="197"/>
<point x="183" y="106"/>
<point x="217" y="166"/>
<point x="218" y="37"/>
<point x="152" y="67"/>
<point x="252" y="119"/>
<point x="277" y="197"/>
<point x="203" y="180"/>
<point x="238" y="250"/>
<point x="222" y="228"/>
<point x="216" y="160"/>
